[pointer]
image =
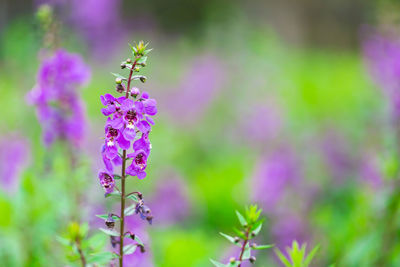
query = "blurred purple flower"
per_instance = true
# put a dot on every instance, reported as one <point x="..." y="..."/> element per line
<point x="288" y="227"/>
<point x="337" y="155"/>
<point x="95" y="20"/>
<point x="14" y="157"/>
<point x="170" y="203"/>
<point x="382" y="56"/>
<point x="262" y="123"/>
<point x="199" y="87"/>
<point x="273" y="175"/>
<point x="59" y="107"/>
<point x="370" y="171"/>
<point x="138" y="259"/>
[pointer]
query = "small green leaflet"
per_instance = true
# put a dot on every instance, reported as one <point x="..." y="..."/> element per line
<point x="101" y="257"/>
<point x="129" y="249"/>
<point x="118" y="76"/>
<point x="114" y="194"/>
<point x="258" y="229"/>
<point x="242" y="220"/>
<point x="64" y="241"/>
<point x="133" y="197"/>
<point x="130" y="210"/>
<point x="258" y="247"/>
<point x="105" y="217"/>
<point x="109" y="232"/>
<point x="218" y="264"/>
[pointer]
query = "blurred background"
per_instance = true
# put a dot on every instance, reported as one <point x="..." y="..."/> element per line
<point x="293" y="105"/>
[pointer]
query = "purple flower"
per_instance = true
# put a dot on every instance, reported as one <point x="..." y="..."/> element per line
<point x="273" y="175"/>
<point x="382" y="56"/>
<point x="170" y="202"/>
<point x="59" y="107"/>
<point x="138" y="165"/>
<point x="200" y="85"/>
<point x="107" y="181"/>
<point x="124" y="117"/>
<point x="14" y="157"/>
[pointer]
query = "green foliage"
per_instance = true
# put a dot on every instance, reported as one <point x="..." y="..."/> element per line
<point x="78" y="245"/>
<point x="297" y="256"/>
<point x="251" y="227"/>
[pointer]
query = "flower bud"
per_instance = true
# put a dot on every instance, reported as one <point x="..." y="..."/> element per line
<point x="136" y="69"/>
<point x="110" y="222"/>
<point x="236" y="239"/>
<point x="118" y="80"/>
<point x="120" y="88"/>
<point x="253" y="234"/>
<point x="252" y="259"/>
<point x="132" y="236"/>
<point x="128" y="60"/>
<point x="254" y="245"/>
<point x="135" y="92"/>
<point x="232" y="259"/>
<point x="143" y="79"/>
<point x="123" y="66"/>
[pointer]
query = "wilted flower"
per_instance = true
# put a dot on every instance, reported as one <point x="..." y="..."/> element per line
<point x="59" y="107"/>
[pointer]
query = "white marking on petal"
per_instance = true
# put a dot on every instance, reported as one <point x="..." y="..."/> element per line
<point x="110" y="143"/>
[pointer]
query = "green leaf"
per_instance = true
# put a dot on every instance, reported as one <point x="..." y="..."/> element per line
<point x="218" y="264"/>
<point x="133" y="197"/>
<point x="142" y="60"/>
<point x="258" y="229"/>
<point x="119" y="76"/>
<point x="97" y="241"/>
<point x="282" y="258"/>
<point x="133" y="49"/>
<point x="311" y="256"/>
<point x="117" y="177"/>
<point x="142" y="78"/>
<point x="63" y="241"/>
<point x="109" y="232"/>
<point x="105" y="216"/>
<point x="101" y="257"/>
<point x="230" y="238"/>
<point x="258" y="247"/>
<point x="239" y="233"/>
<point x="139" y="241"/>
<point x="147" y="51"/>
<point x="242" y="220"/>
<point x="129" y="249"/>
<point x="130" y="210"/>
<point x="114" y="194"/>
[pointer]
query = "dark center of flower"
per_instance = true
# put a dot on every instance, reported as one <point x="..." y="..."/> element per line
<point x="107" y="180"/>
<point x="140" y="160"/>
<point x="113" y="132"/>
<point x="131" y="115"/>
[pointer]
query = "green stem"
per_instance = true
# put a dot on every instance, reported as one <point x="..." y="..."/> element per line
<point x="123" y="177"/>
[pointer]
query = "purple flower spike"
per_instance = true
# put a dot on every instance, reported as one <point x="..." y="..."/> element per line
<point x="107" y="181"/>
<point x="55" y="95"/>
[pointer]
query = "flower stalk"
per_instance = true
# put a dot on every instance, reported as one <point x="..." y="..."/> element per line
<point x="128" y="126"/>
